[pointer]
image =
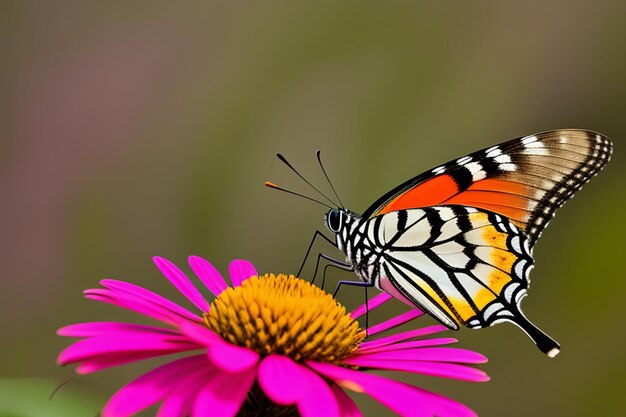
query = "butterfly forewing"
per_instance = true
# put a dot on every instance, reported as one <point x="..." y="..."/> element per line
<point x="524" y="179"/>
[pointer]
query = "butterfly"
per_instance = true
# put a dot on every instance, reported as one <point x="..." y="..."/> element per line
<point x="457" y="241"/>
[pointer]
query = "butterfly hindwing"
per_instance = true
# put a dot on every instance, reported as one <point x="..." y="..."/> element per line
<point x="462" y="265"/>
<point x="524" y="179"/>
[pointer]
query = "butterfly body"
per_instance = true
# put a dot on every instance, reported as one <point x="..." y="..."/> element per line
<point x="457" y="240"/>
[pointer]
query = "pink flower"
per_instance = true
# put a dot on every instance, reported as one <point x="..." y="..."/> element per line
<point x="267" y="345"/>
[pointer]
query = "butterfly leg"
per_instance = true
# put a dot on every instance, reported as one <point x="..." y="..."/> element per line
<point x="365" y="286"/>
<point x="308" y="251"/>
<point x="353" y="284"/>
<point x="334" y="263"/>
<point x="367" y="311"/>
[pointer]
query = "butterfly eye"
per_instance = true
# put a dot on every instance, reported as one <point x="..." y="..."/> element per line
<point x="333" y="220"/>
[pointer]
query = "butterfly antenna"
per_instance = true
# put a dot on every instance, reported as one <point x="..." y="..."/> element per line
<point x="276" y="187"/>
<point x="319" y="159"/>
<point x="282" y="158"/>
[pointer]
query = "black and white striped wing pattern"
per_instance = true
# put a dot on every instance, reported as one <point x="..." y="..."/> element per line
<point x="460" y="264"/>
<point x="525" y="179"/>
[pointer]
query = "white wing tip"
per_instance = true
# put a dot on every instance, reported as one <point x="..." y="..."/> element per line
<point x="553" y="352"/>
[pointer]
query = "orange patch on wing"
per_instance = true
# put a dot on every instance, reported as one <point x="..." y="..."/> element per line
<point x="428" y="193"/>
<point x="482" y="298"/>
<point x="438" y="301"/>
<point x="473" y="198"/>
<point x="503" y="259"/>
<point x="510" y="199"/>
<point x="463" y="308"/>
<point x="520" y="224"/>
<point x="504" y="186"/>
<point x="479" y="219"/>
<point x="496" y="280"/>
<point x="494" y="238"/>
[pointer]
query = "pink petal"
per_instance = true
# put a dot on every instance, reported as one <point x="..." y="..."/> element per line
<point x="110" y="360"/>
<point x="317" y="399"/>
<point x="373" y="303"/>
<point x="136" y="292"/>
<point x="141" y="307"/>
<point x="135" y="298"/>
<point x="431" y="354"/>
<point x="231" y="358"/>
<point x="224" y="394"/>
<point x="200" y="334"/>
<point x="347" y="407"/>
<point x="98" y="328"/>
<point x="208" y="274"/>
<point x="224" y="355"/>
<point x="181" y="282"/>
<point x="406" y="400"/>
<point x="407" y="345"/>
<point x="410" y="334"/>
<point x="442" y="370"/>
<point x="240" y="270"/>
<point x="279" y="379"/>
<point x="286" y="382"/>
<point x="151" y="387"/>
<point x="396" y="321"/>
<point x="179" y="401"/>
<point x="118" y="343"/>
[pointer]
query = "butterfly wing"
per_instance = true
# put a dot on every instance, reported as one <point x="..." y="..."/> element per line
<point x="525" y="179"/>
<point x="454" y="261"/>
<point x="460" y="264"/>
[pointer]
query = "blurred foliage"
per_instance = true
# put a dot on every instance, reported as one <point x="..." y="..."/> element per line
<point x="29" y="397"/>
<point x="132" y="130"/>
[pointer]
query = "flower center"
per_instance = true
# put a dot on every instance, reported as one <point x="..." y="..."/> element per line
<point x="285" y="315"/>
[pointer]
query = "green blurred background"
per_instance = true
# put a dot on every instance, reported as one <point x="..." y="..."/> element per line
<point x="136" y="129"/>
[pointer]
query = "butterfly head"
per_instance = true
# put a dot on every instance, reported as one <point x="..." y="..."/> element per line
<point x="339" y="221"/>
<point x="334" y="219"/>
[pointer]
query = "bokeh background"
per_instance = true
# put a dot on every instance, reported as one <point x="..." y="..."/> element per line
<point x="135" y="129"/>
